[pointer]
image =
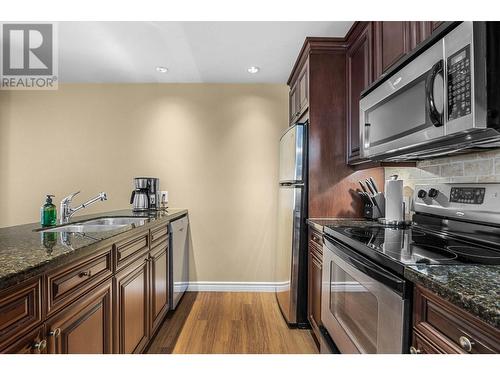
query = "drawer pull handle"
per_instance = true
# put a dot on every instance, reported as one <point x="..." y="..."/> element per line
<point x="465" y="343"/>
<point x="85" y="273"/>
<point x="414" y="350"/>
<point x="55" y="332"/>
<point x="40" y="346"/>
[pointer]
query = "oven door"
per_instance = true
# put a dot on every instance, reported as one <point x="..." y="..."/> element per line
<point x="407" y="109"/>
<point x="363" y="306"/>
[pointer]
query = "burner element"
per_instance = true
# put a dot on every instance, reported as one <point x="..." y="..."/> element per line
<point x="475" y="252"/>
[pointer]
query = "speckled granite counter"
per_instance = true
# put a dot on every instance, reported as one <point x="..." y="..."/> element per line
<point x="318" y="224"/>
<point x="474" y="288"/>
<point x="25" y="252"/>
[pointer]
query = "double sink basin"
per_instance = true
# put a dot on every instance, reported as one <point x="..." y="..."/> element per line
<point x="98" y="225"/>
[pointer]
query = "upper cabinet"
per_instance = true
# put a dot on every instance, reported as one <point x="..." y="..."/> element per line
<point x="392" y="41"/>
<point x="299" y="94"/>
<point x="359" y="76"/>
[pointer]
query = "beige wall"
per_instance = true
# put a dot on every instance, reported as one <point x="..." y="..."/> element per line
<point x="214" y="148"/>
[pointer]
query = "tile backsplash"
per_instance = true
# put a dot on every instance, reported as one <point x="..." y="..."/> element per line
<point x="475" y="167"/>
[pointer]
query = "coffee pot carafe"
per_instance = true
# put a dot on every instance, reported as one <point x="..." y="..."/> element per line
<point x="145" y="196"/>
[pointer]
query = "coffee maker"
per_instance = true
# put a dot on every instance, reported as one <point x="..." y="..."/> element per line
<point x="146" y="195"/>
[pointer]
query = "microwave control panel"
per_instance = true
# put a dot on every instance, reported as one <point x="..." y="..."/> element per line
<point x="459" y="84"/>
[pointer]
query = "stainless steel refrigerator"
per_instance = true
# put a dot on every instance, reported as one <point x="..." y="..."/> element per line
<point x="291" y="251"/>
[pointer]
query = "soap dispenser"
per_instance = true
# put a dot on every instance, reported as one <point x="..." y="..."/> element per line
<point x="48" y="213"/>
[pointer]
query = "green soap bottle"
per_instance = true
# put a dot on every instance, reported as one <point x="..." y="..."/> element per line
<point x="48" y="213"/>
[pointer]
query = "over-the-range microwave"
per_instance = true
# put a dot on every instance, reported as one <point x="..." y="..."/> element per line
<point x="445" y="99"/>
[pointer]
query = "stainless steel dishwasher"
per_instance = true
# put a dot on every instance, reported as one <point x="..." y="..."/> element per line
<point x="179" y="259"/>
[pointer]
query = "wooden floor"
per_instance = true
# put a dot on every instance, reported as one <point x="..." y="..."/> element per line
<point x="206" y="323"/>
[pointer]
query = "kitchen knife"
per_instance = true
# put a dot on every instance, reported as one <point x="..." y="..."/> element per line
<point x="374" y="184"/>
<point x="369" y="186"/>
<point x="362" y="187"/>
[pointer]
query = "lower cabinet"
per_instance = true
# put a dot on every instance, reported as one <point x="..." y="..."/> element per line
<point x="315" y="268"/>
<point x="83" y="327"/>
<point x="33" y="342"/>
<point x="441" y="327"/>
<point x="159" y="286"/>
<point x="131" y="286"/>
<point x="112" y="301"/>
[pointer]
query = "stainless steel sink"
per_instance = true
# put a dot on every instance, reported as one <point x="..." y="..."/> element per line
<point x="98" y="225"/>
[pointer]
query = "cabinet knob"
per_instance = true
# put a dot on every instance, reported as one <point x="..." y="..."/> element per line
<point x="40" y="346"/>
<point x="85" y="273"/>
<point x="465" y="343"/>
<point x="414" y="350"/>
<point x="55" y="332"/>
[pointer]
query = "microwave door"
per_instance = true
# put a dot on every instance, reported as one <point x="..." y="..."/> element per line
<point x="407" y="109"/>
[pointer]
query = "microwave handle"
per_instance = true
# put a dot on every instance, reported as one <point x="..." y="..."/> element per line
<point x="434" y="115"/>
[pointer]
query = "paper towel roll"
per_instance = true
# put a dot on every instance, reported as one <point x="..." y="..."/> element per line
<point x="394" y="200"/>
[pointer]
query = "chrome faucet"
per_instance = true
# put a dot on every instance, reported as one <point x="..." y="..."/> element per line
<point x="67" y="211"/>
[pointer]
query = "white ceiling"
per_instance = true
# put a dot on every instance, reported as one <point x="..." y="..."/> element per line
<point x="218" y="52"/>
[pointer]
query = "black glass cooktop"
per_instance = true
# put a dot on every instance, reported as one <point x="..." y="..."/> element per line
<point x="413" y="245"/>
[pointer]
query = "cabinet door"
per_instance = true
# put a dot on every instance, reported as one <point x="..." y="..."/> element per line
<point x="315" y="266"/>
<point x="85" y="326"/>
<point x="359" y="76"/>
<point x="31" y="343"/>
<point x="392" y="41"/>
<point x="131" y="288"/>
<point x="303" y="89"/>
<point x="294" y="111"/>
<point x="159" y="286"/>
<point x="419" y="32"/>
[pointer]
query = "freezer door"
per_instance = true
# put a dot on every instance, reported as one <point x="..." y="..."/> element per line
<point x="287" y="252"/>
<point x="292" y="154"/>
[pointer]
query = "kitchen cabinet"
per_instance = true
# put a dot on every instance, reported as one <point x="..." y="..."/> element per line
<point x="392" y="42"/>
<point x="359" y="76"/>
<point x="85" y="326"/>
<point x="159" y="286"/>
<point x="131" y="286"/>
<point x="109" y="301"/>
<point x="315" y="267"/>
<point x="299" y="95"/>
<point x="441" y="327"/>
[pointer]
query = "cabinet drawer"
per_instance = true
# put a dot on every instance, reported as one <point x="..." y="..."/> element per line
<point x="69" y="282"/>
<point x="20" y="309"/>
<point x="129" y="249"/>
<point x="422" y="346"/>
<point x="450" y="328"/>
<point x="316" y="239"/>
<point x="32" y="343"/>
<point x="159" y="235"/>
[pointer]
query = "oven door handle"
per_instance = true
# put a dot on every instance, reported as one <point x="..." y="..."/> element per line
<point x="398" y="285"/>
<point x="434" y="115"/>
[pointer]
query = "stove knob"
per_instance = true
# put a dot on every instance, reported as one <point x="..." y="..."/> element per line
<point x="422" y="194"/>
<point x="433" y="193"/>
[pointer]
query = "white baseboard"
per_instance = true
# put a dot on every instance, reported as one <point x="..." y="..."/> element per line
<point x="232" y="286"/>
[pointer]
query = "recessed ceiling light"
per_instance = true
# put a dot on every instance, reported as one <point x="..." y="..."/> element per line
<point x="253" y="69"/>
<point x="161" y="69"/>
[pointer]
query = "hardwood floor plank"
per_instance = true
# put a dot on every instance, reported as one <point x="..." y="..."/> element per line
<point x="230" y="322"/>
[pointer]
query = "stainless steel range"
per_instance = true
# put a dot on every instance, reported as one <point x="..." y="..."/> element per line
<point x="365" y="298"/>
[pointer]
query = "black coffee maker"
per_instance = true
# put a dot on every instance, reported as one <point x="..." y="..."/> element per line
<point x="146" y="195"/>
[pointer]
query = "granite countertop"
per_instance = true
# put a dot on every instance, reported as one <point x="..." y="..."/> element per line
<point x="474" y="288"/>
<point x="319" y="223"/>
<point x="25" y="252"/>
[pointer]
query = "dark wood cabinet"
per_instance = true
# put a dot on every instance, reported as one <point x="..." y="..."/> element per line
<point x="315" y="267"/>
<point x="359" y="76"/>
<point x="131" y="288"/>
<point x="159" y="286"/>
<point x="441" y="327"/>
<point x="391" y="42"/>
<point x="299" y="95"/>
<point x="85" y="326"/>
<point x="109" y="301"/>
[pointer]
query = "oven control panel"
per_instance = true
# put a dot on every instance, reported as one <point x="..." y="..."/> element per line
<point x="459" y="84"/>
<point x="469" y="195"/>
